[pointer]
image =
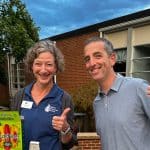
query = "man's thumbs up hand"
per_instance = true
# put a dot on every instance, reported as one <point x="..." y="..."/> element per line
<point x="60" y="122"/>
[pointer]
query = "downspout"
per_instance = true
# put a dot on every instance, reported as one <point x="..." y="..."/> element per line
<point x="9" y="75"/>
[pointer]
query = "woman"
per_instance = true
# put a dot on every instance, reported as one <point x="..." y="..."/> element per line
<point x="46" y="109"/>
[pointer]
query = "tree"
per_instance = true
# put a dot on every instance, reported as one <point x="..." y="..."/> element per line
<point x="17" y="30"/>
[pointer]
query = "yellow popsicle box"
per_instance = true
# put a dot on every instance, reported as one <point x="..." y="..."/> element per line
<point x="10" y="131"/>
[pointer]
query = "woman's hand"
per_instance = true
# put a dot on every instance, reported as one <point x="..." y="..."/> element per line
<point x="60" y="122"/>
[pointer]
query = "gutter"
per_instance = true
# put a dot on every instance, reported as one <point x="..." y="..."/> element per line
<point x="125" y="24"/>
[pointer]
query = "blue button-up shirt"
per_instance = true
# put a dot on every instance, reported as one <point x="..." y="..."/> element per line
<point x="123" y="115"/>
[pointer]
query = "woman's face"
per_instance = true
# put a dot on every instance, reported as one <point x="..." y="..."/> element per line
<point x="44" y="68"/>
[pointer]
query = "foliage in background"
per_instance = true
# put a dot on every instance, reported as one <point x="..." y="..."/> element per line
<point x="3" y="75"/>
<point x="83" y="97"/>
<point x="17" y="30"/>
<point x="83" y="100"/>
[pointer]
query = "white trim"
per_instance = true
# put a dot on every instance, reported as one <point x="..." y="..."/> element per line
<point x="124" y="24"/>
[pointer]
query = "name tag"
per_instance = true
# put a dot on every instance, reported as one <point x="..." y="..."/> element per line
<point x="26" y="104"/>
<point x="34" y="145"/>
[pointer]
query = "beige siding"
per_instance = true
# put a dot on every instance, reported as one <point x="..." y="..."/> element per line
<point x="141" y="35"/>
<point x="119" y="39"/>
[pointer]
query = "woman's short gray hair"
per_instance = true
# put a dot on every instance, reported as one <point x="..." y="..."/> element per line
<point x="44" y="46"/>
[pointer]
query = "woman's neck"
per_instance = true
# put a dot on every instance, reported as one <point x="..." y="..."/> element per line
<point x="42" y="87"/>
<point x="39" y="91"/>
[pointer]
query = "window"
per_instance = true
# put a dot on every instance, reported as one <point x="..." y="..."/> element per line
<point x="18" y="75"/>
<point x="120" y="66"/>
<point x="141" y="62"/>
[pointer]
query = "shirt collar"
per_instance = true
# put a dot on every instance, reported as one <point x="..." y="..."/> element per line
<point x="53" y="92"/>
<point x="116" y="85"/>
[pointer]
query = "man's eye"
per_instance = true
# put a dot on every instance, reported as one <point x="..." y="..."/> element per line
<point x="86" y="59"/>
<point x="98" y="56"/>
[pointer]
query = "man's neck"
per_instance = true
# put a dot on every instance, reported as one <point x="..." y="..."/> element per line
<point x="107" y="83"/>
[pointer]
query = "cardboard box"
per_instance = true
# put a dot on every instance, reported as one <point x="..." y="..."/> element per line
<point x="10" y="131"/>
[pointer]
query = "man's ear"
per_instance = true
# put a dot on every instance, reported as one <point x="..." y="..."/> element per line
<point x="113" y="57"/>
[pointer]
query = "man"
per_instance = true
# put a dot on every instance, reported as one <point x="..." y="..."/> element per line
<point x="122" y="106"/>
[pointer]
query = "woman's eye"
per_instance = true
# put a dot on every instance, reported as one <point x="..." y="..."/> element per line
<point x="49" y="65"/>
<point x="37" y="64"/>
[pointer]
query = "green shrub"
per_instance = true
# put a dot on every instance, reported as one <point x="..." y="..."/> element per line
<point x="84" y="96"/>
<point x="83" y="100"/>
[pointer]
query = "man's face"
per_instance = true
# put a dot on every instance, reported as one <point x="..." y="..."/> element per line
<point x="97" y="62"/>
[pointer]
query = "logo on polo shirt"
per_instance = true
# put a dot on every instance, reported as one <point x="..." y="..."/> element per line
<point x="50" y="108"/>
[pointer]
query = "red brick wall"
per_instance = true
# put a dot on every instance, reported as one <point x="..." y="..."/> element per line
<point x="88" y="141"/>
<point x="89" y="144"/>
<point x="75" y="74"/>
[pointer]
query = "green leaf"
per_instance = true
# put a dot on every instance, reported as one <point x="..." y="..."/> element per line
<point x="17" y="30"/>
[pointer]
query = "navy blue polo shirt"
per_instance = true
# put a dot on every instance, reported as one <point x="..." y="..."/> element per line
<point x="37" y="120"/>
